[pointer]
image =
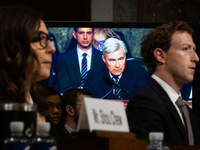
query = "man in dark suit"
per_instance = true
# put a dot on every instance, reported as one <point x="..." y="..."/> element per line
<point x="130" y="75"/>
<point x="70" y="65"/>
<point x="169" y="54"/>
<point x="71" y="105"/>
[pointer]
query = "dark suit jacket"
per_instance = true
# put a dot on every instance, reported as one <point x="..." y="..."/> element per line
<point x="132" y="79"/>
<point x="68" y="75"/>
<point x="158" y="113"/>
<point x="66" y="132"/>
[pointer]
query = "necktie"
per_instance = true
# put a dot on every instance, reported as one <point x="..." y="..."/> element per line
<point x="118" y="93"/>
<point x="184" y="110"/>
<point x="83" y="69"/>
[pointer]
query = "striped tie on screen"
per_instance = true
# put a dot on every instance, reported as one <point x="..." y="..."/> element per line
<point x="118" y="93"/>
<point x="83" y="69"/>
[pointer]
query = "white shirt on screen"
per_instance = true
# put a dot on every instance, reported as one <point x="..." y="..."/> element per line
<point x="88" y="57"/>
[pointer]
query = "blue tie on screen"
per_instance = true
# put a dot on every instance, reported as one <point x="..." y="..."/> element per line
<point x="83" y="69"/>
<point x="118" y="93"/>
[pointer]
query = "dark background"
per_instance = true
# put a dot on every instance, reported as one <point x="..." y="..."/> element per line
<point x="68" y="10"/>
<point x="129" y="10"/>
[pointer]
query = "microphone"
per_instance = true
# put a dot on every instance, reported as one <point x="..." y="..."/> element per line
<point x="110" y="81"/>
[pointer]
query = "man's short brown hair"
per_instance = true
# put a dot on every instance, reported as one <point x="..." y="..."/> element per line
<point x="160" y="37"/>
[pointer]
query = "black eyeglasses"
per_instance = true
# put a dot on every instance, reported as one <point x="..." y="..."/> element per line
<point x="43" y="38"/>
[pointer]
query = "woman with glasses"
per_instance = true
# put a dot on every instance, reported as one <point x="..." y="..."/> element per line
<point x="25" y="56"/>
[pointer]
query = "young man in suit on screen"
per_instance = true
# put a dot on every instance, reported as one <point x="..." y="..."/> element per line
<point x="170" y="55"/>
<point x="74" y="64"/>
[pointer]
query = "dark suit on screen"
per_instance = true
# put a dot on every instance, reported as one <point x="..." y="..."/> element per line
<point x="158" y="113"/>
<point x="132" y="79"/>
<point x="68" y="75"/>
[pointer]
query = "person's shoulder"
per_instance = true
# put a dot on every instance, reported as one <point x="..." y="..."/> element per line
<point x="152" y="89"/>
<point x="98" y="73"/>
<point x="148" y="95"/>
<point x="68" y="54"/>
<point x="96" y="51"/>
<point x="71" y="51"/>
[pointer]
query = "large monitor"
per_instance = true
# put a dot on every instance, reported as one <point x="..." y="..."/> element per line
<point x="129" y="33"/>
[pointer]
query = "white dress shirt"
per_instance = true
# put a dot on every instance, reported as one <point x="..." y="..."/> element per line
<point x="88" y="57"/>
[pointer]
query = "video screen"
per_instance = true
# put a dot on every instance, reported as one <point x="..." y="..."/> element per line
<point x="67" y="60"/>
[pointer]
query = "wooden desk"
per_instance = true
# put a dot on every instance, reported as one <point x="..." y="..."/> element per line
<point x="105" y="140"/>
<point x="102" y="140"/>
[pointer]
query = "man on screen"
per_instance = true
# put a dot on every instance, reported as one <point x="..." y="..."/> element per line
<point x="130" y="75"/>
<point x="74" y="64"/>
<point x="170" y="55"/>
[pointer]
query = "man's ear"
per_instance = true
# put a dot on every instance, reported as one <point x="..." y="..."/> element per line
<point x="103" y="58"/>
<point x="74" y="34"/>
<point x="70" y="110"/>
<point x="160" y="55"/>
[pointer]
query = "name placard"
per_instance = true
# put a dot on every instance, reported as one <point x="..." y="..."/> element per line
<point x="105" y="115"/>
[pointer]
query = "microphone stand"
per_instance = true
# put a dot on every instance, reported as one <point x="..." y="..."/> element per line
<point x="107" y="93"/>
<point x="109" y="81"/>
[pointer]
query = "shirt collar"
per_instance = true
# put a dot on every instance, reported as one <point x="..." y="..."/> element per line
<point x="88" y="52"/>
<point x="119" y="77"/>
<point x="69" y="129"/>
<point x="168" y="89"/>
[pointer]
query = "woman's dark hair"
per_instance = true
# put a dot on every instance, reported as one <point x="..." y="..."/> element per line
<point x="160" y="38"/>
<point x="18" y="26"/>
<point x="46" y="91"/>
<point x="41" y="91"/>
